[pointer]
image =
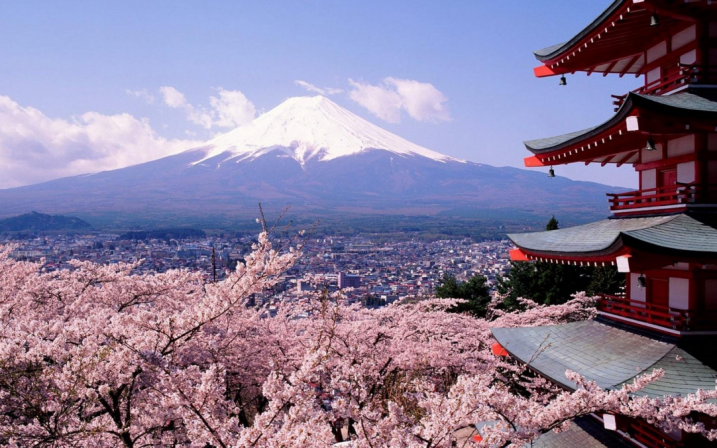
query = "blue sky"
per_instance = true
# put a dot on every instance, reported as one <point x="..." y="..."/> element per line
<point x="82" y="73"/>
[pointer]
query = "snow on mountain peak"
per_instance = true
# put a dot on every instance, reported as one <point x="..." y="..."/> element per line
<point x="308" y="127"/>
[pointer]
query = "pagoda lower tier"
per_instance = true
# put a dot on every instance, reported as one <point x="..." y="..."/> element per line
<point x="612" y="356"/>
<point x="670" y="262"/>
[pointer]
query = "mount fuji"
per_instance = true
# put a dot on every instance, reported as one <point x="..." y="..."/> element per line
<point x="318" y="157"/>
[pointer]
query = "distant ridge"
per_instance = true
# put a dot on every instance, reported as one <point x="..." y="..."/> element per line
<point x="40" y="221"/>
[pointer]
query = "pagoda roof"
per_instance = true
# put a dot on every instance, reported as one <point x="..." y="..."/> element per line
<point x="553" y="51"/>
<point x="584" y="432"/>
<point x="607" y="355"/>
<point x="681" y="234"/>
<point x="619" y="139"/>
<point x="691" y="102"/>
<point x="616" y="40"/>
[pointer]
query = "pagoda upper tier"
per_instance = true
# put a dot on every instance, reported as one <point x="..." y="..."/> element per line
<point x="623" y="40"/>
<point x="670" y="140"/>
<point x="620" y="139"/>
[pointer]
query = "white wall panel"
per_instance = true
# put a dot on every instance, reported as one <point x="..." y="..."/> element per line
<point x="679" y="293"/>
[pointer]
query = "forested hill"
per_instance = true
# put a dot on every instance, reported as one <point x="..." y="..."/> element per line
<point x="41" y="221"/>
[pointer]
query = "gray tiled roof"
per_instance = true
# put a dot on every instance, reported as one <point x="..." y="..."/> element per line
<point x="554" y="50"/>
<point x="688" y="233"/>
<point x="607" y="355"/>
<point x="584" y="432"/>
<point x="682" y="376"/>
<point x="692" y="101"/>
<point x="604" y="354"/>
<point x="681" y="233"/>
<point x="543" y="53"/>
<point x="550" y="142"/>
<point x="702" y="100"/>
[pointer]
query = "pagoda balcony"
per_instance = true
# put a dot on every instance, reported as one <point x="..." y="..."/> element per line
<point x="667" y="198"/>
<point x="657" y="315"/>
<point x="687" y="74"/>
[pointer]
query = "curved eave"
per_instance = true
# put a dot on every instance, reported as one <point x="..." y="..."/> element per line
<point x="683" y="236"/>
<point x="589" y="258"/>
<point x="597" y="141"/>
<point x="578" y="138"/>
<point x="615" y="42"/>
<point x="555" y="51"/>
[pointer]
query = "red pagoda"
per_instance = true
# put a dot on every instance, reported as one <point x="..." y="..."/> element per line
<point x="663" y="236"/>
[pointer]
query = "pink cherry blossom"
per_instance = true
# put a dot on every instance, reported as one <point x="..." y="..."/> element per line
<point x="96" y="356"/>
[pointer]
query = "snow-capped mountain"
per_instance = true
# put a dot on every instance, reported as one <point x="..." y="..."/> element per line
<point x="318" y="157"/>
<point x="311" y="128"/>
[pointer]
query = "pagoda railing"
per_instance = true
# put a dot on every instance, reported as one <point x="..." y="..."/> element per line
<point x="655" y="197"/>
<point x="686" y="74"/>
<point x="662" y="316"/>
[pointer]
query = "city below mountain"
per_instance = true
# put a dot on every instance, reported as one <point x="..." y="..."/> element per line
<point x="318" y="158"/>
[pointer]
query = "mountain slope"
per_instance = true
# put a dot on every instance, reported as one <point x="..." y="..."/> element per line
<point x="311" y="154"/>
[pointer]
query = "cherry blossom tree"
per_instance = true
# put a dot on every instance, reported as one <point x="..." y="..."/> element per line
<point x="97" y="355"/>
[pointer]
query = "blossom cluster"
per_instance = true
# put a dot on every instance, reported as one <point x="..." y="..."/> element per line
<point x="96" y="356"/>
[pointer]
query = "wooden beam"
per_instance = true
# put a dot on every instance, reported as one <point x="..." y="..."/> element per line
<point x="611" y="159"/>
<point x="666" y="162"/>
<point x="610" y="67"/>
<point x="626" y="158"/>
<point x="630" y="64"/>
<point x="666" y="126"/>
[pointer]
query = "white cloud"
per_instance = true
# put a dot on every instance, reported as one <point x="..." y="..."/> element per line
<point x="380" y="101"/>
<point x="176" y="100"/>
<point x="35" y="148"/>
<point x="232" y="109"/>
<point x="321" y="91"/>
<point x="421" y="100"/>
<point x="173" y="97"/>
<point x="142" y="94"/>
<point x="229" y="110"/>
